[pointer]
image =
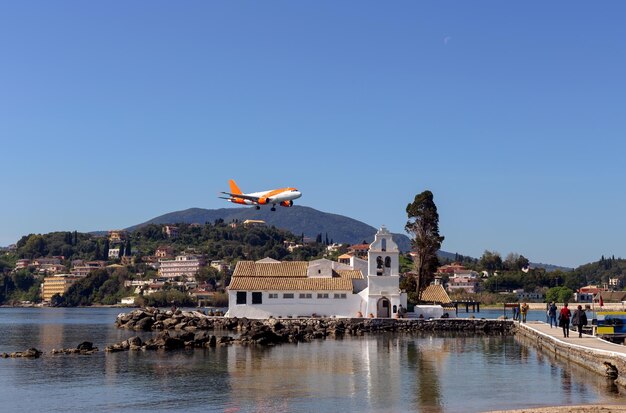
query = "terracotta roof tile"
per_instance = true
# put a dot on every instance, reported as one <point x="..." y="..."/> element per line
<point x="271" y="269"/>
<point x="288" y="276"/>
<point x="436" y="294"/>
<point x="350" y="274"/>
<point x="290" y="284"/>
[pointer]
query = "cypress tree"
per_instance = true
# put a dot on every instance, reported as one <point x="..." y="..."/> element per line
<point x="423" y="224"/>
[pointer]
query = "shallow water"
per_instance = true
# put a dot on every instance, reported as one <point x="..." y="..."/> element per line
<point x="386" y="373"/>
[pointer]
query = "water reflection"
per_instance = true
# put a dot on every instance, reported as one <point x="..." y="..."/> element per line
<point x="423" y="362"/>
<point x="389" y="372"/>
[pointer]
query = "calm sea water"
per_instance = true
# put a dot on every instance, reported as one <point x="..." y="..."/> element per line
<point x="382" y="373"/>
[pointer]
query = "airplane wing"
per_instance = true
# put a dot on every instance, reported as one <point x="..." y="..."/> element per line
<point x="242" y="196"/>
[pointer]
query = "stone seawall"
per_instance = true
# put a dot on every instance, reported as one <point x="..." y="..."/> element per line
<point x="275" y="331"/>
<point x="606" y="363"/>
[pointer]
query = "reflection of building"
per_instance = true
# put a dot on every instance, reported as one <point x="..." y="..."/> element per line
<point x="380" y="373"/>
<point x="56" y="285"/>
<point x="322" y="287"/>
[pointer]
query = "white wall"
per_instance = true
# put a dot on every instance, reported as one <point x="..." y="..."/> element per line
<point x="296" y="307"/>
<point x="383" y="285"/>
<point x="430" y="311"/>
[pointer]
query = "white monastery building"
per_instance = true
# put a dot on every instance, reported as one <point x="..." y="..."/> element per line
<point x="270" y="288"/>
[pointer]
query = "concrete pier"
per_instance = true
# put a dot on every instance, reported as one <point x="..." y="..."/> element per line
<point x="593" y="353"/>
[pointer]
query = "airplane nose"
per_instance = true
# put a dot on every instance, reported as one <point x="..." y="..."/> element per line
<point x="298" y="194"/>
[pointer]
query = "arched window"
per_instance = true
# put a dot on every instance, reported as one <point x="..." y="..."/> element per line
<point x="383" y="244"/>
<point x="388" y="262"/>
<point x="379" y="262"/>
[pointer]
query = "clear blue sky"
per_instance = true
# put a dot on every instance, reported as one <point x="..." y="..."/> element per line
<point x="512" y="113"/>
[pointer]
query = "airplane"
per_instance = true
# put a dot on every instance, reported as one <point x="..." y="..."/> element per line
<point x="283" y="196"/>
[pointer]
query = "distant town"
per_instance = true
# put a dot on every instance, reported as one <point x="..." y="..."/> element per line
<point x="193" y="264"/>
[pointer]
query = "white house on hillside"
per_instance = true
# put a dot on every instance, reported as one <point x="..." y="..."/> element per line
<point x="322" y="287"/>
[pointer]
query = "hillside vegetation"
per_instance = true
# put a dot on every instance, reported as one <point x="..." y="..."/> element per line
<point x="216" y="241"/>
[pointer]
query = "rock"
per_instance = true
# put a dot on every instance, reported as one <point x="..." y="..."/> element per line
<point x="144" y="324"/>
<point x="85" y="345"/>
<point x="30" y="353"/>
<point x="135" y="341"/>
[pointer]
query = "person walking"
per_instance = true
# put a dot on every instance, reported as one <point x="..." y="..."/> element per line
<point x="579" y="319"/>
<point x="524" y="311"/>
<point x="564" y="316"/>
<point x="552" y="314"/>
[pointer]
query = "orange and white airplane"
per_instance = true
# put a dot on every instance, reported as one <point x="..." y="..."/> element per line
<point x="283" y="196"/>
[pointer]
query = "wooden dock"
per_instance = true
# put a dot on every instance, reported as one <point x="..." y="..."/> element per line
<point x="467" y="303"/>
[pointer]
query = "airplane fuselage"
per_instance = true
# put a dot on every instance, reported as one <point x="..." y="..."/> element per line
<point x="283" y="196"/>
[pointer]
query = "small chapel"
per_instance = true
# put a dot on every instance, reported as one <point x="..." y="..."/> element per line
<point x="323" y="288"/>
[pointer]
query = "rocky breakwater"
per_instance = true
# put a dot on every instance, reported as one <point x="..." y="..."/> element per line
<point x="32" y="353"/>
<point x="187" y="329"/>
<point x="84" y="348"/>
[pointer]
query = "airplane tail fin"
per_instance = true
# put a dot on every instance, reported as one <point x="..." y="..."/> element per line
<point x="233" y="187"/>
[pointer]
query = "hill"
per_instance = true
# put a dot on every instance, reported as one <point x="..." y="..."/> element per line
<point x="297" y="219"/>
<point x="300" y="220"/>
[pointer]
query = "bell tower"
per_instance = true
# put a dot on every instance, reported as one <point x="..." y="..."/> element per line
<point x="383" y="276"/>
<point x="383" y="255"/>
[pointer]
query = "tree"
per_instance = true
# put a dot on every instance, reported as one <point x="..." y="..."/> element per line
<point x="97" y="253"/>
<point x="559" y="294"/>
<point x="35" y="246"/>
<point x="491" y="261"/>
<point x="423" y="225"/>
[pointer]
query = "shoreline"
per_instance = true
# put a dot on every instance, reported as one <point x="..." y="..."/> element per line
<point x="542" y="306"/>
<point x="588" y="408"/>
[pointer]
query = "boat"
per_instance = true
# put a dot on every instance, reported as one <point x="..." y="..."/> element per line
<point x="611" y="326"/>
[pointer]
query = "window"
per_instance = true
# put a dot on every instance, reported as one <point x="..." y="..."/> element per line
<point x="322" y="295"/>
<point x="272" y="295"/>
<point x="388" y="262"/>
<point x="257" y="298"/>
<point x="306" y="295"/>
<point x="288" y="295"/>
<point x="340" y="296"/>
<point x="241" y="297"/>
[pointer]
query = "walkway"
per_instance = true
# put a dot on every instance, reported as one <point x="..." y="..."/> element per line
<point x="587" y="341"/>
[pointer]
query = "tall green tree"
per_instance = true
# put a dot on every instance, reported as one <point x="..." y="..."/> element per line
<point x="491" y="261"/>
<point x="423" y="225"/>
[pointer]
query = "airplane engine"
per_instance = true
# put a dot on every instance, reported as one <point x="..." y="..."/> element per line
<point x="264" y="201"/>
<point x="287" y="203"/>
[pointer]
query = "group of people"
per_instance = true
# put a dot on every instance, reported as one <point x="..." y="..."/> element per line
<point x="520" y="312"/>
<point x="579" y="319"/>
